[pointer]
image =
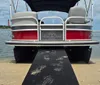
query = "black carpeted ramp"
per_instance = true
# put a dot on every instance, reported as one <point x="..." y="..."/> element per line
<point x="51" y="67"/>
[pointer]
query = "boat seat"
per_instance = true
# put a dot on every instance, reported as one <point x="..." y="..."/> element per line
<point x="24" y="19"/>
<point x="78" y="23"/>
<point x="77" y="12"/>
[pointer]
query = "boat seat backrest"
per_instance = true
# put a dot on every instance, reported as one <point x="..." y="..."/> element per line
<point x="24" y="18"/>
<point x="77" y="12"/>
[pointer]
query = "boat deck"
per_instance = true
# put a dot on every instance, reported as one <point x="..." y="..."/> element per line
<point x="51" y="43"/>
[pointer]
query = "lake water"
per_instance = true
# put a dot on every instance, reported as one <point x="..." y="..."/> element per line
<point x="6" y="51"/>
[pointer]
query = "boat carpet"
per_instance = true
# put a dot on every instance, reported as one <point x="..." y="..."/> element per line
<point x="51" y="67"/>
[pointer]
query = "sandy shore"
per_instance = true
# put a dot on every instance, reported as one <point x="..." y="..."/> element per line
<point x="13" y="74"/>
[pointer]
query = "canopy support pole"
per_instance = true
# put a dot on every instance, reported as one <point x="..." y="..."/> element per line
<point x="92" y="10"/>
<point x="87" y="6"/>
<point x="26" y="6"/>
<point x="13" y="6"/>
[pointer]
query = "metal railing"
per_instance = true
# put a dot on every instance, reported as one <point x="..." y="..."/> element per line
<point x="63" y="25"/>
<point x="83" y="24"/>
<point x="52" y="17"/>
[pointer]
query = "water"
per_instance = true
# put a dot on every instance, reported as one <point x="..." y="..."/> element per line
<point x="6" y="51"/>
<point x="96" y="48"/>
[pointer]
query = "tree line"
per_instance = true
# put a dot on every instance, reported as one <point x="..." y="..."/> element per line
<point x="4" y="27"/>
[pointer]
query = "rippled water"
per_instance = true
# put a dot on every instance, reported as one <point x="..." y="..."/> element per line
<point x="6" y="51"/>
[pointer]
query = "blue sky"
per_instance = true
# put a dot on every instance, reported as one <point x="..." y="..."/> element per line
<point x="4" y="13"/>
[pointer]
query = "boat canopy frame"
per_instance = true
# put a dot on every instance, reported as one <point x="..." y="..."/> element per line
<point x="14" y="7"/>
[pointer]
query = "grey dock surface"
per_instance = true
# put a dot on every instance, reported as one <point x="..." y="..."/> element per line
<point x="51" y="67"/>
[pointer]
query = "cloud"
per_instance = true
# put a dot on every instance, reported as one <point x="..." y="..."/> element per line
<point x="96" y="9"/>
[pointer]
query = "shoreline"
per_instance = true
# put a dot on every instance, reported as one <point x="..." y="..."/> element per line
<point x="7" y="59"/>
<point x="14" y="74"/>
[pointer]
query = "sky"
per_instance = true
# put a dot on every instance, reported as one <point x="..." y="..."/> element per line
<point x="5" y="13"/>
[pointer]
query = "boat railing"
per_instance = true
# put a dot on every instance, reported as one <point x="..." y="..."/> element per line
<point x="25" y="23"/>
<point x="87" y="19"/>
<point x="64" y="25"/>
<point x="52" y="27"/>
<point x="56" y="31"/>
<point x="86" y="26"/>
